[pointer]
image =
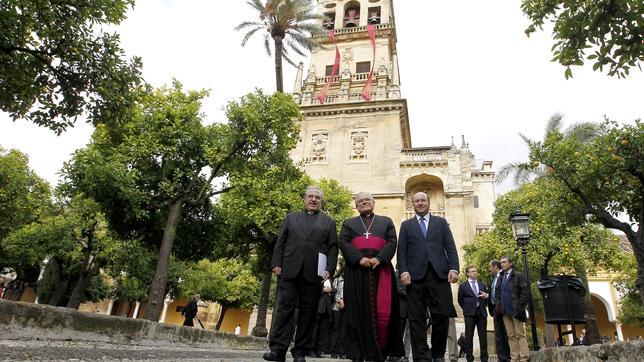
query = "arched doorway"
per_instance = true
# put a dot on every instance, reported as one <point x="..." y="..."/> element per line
<point x="432" y="186"/>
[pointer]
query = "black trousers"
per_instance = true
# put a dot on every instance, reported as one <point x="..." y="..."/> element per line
<point x="189" y="322"/>
<point x="306" y="296"/>
<point x="323" y="333"/>
<point x="433" y="293"/>
<point x="501" y="340"/>
<point x="337" y="345"/>
<point x="478" y="321"/>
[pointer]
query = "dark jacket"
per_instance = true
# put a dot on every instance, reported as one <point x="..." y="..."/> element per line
<point x="467" y="299"/>
<point x="516" y="289"/>
<point x="415" y="251"/>
<point x="190" y="310"/>
<point x="298" y="246"/>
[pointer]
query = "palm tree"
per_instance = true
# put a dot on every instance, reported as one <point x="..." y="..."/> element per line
<point x="526" y="172"/>
<point x="284" y="20"/>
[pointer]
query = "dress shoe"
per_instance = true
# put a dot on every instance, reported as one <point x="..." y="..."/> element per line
<point x="274" y="356"/>
<point x="299" y="359"/>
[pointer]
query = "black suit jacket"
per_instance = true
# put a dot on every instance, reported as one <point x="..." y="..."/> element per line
<point x="298" y="246"/>
<point x="415" y="251"/>
<point x="467" y="299"/>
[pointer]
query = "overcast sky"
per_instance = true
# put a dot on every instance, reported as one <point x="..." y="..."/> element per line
<point x="466" y="67"/>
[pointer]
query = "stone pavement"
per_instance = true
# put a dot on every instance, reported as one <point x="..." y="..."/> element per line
<point x="38" y="350"/>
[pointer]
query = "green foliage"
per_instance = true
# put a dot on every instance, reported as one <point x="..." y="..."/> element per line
<point x="608" y="33"/>
<point x="293" y="21"/>
<point x="290" y="20"/>
<point x="605" y="174"/>
<point x="75" y="240"/>
<point x="24" y="196"/>
<point x="229" y="282"/>
<point x="632" y="311"/>
<point x="561" y="241"/>
<point x="57" y="64"/>
<point x="155" y="175"/>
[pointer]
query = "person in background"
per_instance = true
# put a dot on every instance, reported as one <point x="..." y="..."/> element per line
<point x="512" y="295"/>
<point x="238" y="330"/>
<point x="500" y="336"/>
<point x="189" y="312"/>
<point x="472" y="298"/>
<point x="337" y="335"/>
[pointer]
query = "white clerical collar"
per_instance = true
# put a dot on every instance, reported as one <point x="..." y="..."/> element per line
<point x="426" y="217"/>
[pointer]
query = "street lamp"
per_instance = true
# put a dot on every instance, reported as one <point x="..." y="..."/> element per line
<point x="521" y="230"/>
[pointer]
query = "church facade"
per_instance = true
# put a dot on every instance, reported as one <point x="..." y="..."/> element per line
<point x="356" y="126"/>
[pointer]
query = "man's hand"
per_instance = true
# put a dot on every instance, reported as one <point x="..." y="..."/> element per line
<point x="405" y="279"/>
<point x="365" y="263"/>
<point x="327" y="290"/>
<point x="374" y="262"/>
<point x="277" y="271"/>
<point x="325" y="276"/>
<point x="341" y="303"/>
<point x="483" y="295"/>
<point x="452" y="277"/>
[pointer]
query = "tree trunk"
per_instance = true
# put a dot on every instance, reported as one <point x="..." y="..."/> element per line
<point x="224" y="308"/>
<point x="279" y="81"/>
<point x="262" y="307"/>
<point x="160" y="281"/>
<point x="86" y="271"/>
<point x="592" y="329"/>
<point x="549" y="335"/>
<point x="79" y="290"/>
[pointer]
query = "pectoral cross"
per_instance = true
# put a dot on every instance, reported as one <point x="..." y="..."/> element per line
<point x="366" y="234"/>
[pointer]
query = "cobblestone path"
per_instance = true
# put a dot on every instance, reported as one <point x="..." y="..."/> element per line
<point x="95" y="351"/>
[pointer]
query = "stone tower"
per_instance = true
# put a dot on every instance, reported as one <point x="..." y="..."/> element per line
<point x="359" y="134"/>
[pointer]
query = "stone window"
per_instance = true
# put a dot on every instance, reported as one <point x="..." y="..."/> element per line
<point x="359" y="145"/>
<point x="475" y="200"/>
<point x="363" y="67"/>
<point x="319" y="146"/>
<point x="328" y="70"/>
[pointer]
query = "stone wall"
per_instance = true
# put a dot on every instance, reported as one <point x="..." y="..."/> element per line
<point x="613" y="352"/>
<point x="20" y="320"/>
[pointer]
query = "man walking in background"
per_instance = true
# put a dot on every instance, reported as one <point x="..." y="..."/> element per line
<point x="500" y="337"/>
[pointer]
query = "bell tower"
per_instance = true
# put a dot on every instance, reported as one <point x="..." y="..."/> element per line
<point x="355" y="119"/>
<point x="356" y="125"/>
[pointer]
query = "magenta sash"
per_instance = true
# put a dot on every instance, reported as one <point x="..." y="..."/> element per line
<point x="383" y="299"/>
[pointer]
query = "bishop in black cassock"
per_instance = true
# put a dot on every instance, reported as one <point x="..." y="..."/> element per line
<point x="372" y="312"/>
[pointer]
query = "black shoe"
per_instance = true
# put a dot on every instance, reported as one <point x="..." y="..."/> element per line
<point x="299" y="359"/>
<point x="273" y="356"/>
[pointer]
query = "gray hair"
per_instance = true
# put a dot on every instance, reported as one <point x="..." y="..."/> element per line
<point x="316" y="188"/>
<point x="367" y="194"/>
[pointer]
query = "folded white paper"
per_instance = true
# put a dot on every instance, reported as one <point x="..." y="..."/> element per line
<point x="321" y="264"/>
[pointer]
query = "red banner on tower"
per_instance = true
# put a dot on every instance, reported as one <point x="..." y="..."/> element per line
<point x="366" y="91"/>
<point x="334" y="71"/>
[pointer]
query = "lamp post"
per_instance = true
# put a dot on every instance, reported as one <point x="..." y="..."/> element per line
<point x="521" y="230"/>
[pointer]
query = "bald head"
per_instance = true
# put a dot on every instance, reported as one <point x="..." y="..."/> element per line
<point x="421" y="203"/>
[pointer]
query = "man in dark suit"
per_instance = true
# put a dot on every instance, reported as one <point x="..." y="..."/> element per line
<point x="428" y="263"/>
<point x="304" y="235"/>
<point x="472" y="299"/>
<point x="500" y="337"/>
<point x="512" y="299"/>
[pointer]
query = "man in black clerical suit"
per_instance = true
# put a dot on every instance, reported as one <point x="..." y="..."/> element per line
<point x="304" y="235"/>
<point x="472" y="298"/>
<point x="428" y="263"/>
<point x="372" y="313"/>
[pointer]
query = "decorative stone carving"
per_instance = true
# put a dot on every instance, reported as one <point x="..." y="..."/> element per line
<point x="359" y="145"/>
<point x="319" y="141"/>
<point x="347" y="54"/>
